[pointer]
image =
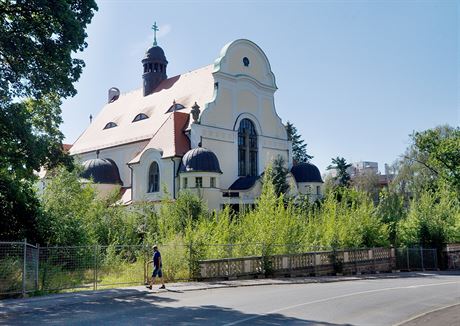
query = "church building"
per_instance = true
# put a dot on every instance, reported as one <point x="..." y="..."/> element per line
<point x="211" y="131"/>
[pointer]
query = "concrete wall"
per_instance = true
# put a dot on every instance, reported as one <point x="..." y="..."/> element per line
<point x="212" y="196"/>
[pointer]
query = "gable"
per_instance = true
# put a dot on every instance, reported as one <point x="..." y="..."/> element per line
<point x="243" y="58"/>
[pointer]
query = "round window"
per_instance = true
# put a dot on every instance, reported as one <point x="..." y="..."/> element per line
<point x="246" y="61"/>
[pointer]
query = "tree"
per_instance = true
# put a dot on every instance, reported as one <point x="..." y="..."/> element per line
<point x="439" y="149"/>
<point x="278" y="174"/>
<point x="367" y="181"/>
<point x="299" y="148"/>
<point x="37" y="40"/>
<point x="431" y="159"/>
<point x="340" y="165"/>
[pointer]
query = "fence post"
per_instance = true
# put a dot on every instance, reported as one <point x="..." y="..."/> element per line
<point x="436" y="260"/>
<point x="421" y="258"/>
<point x="407" y="259"/>
<point x="24" y="269"/>
<point x="190" y="260"/>
<point x="145" y="263"/>
<point x="373" y="260"/>
<point x="37" y="266"/>
<point x="95" y="268"/>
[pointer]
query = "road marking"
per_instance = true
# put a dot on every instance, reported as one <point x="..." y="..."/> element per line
<point x="334" y="298"/>
<point x="425" y="313"/>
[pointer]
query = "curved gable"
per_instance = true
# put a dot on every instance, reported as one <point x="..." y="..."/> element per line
<point x="244" y="58"/>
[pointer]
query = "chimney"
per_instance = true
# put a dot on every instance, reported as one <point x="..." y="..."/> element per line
<point x="114" y="94"/>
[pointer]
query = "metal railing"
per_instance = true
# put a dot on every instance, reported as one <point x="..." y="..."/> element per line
<point x="416" y="259"/>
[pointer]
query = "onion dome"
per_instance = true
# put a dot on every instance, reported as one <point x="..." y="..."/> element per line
<point x="200" y="160"/>
<point x="101" y="170"/>
<point x="156" y="54"/>
<point x="306" y="172"/>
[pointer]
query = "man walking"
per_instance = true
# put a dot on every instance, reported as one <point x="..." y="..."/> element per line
<point x="157" y="264"/>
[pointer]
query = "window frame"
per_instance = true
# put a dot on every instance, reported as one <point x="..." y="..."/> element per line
<point x="140" y="116"/>
<point x="110" y="125"/>
<point x="248" y="150"/>
<point x="200" y="183"/>
<point x="153" y="179"/>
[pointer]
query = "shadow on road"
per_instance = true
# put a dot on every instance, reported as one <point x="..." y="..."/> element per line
<point x="141" y="308"/>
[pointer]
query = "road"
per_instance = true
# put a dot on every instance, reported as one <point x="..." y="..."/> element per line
<point x="378" y="301"/>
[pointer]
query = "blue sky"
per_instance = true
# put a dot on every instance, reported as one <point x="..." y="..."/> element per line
<point x="355" y="77"/>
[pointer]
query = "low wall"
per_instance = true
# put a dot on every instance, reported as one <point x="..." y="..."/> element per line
<point x="309" y="263"/>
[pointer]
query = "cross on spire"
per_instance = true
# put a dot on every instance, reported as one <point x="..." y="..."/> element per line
<point x="155" y="30"/>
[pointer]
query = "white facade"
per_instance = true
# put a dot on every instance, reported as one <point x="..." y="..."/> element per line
<point x="238" y="87"/>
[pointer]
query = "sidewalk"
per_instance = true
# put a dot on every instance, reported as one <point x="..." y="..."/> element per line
<point x="10" y="306"/>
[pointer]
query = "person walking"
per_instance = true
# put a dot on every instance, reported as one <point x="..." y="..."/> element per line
<point x="157" y="265"/>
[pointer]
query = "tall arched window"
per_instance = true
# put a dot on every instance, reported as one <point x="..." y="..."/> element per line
<point x="154" y="178"/>
<point x="247" y="148"/>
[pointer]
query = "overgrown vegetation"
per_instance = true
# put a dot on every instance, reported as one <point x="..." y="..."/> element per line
<point x="347" y="217"/>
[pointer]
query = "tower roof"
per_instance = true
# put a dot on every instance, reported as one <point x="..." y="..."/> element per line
<point x="155" y="53"/>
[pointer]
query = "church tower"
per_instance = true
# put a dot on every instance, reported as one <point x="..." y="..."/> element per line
<point x="154" y="64"/>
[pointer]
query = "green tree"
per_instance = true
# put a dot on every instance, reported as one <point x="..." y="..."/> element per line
<point x="391" y="211"/>
<point x="278" y="174"/>
<point x="340" y="165"/>
<point x="431" y="158"/>
<point x="439" y="151"/>
<point x="433" y="219"/>
<point x="37" y="41"/>
<point x="299" y="148"/>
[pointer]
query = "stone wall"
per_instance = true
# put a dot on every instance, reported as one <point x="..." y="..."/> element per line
<point x="452" y="254"/>
<point x="310" y="263"/>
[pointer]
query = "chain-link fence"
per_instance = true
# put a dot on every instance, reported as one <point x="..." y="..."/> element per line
<point x="25" y="268"/>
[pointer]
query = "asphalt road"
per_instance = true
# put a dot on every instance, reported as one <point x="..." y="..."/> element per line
<point x="362" y="302"/>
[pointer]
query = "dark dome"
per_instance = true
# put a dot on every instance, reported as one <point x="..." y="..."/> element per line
<point x="155" y="53"/>
<point x="200" y="160"/>
<point x="306" y="172"/>
<point x="101" y="170"/>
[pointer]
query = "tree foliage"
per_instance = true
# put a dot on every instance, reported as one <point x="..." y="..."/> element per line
<point x="432" y="156"/>
<point x="299" y="148"/>
<point x="278" y="173"/>
<point x="340" y="165"/>
<point x="439" y="151"/>
<point x="37" y="41"/>
<point x="433" y="219"/>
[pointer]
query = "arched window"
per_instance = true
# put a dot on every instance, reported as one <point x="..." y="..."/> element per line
<point x="247" y="148"/>
<point x="154" y="178"/>
<point x="140" y="116"/>
<point x="110" y="125"/>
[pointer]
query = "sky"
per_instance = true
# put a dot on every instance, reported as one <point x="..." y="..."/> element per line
<point x="356" y="78"/>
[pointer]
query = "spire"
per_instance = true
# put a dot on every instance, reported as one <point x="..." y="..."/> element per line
<point x="155" y="30"/>
<point x="154" y="64"/>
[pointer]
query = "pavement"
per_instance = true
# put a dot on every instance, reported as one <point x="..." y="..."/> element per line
<point x="23" y="305"/>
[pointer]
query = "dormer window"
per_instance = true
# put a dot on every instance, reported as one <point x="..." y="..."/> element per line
<point x="175" y="107"/>
<point x="140" y="116"/>
<point x="110" y="125"/>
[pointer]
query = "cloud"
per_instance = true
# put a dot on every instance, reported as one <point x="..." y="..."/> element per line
<point x="164" y="30"/>
<point x="138" y="49"/>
